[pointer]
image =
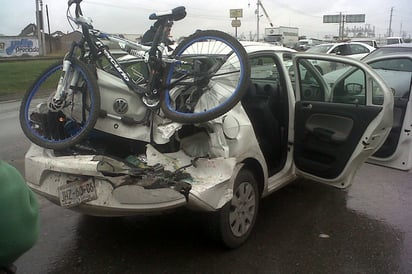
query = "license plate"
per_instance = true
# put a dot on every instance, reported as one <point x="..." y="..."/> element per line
<point x="75" y="193"/>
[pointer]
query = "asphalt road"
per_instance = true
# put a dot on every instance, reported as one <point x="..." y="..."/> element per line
<point x="305" y="227"/>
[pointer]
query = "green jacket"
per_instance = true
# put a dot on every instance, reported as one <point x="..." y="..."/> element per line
<point x="19" y="215"/>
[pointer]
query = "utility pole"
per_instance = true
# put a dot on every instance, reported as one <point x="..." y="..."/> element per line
<point x="257" y="19"/>
<point x="43" y="38"/>
<point x="38" y="28"/>
<point x="48" y="26"/>
<point x="390" y="24"/>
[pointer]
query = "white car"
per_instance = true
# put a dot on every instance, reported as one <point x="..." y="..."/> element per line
<point x="354" y="50"/>
<point x="287" y="125"/>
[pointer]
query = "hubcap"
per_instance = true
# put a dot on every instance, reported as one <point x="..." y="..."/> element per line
<point x="242" y="209"/>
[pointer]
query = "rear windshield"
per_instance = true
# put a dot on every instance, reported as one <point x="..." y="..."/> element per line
<point x="320" y="49"/>
<point x="386" y="51"/>
<point x="397" y="73"/>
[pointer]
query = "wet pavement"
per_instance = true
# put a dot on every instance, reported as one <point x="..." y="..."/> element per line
<point x="305" y="227"/>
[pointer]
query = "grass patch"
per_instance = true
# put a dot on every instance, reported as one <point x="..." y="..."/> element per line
<point x="17" y="76"/>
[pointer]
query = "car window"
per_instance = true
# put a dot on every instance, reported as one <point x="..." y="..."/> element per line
<point x="344" y="83"/>
<point x="263" y="67"/>
<point x="341" y="50"/>
<point x="311" y="84"/>
<point x="351" y="88"/>
<point x="358" y="49"/>
<point x="397" y="73"/>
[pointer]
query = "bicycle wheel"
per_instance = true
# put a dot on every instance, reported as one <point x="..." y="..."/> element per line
<point x="63" y="124"/>
<point x="212" y="80"/>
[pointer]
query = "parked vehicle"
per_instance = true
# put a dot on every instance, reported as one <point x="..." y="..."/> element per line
<point x="305" y="44"/>
<point x="394" y="40"/>
<point x="354" y="50"/>
<point x="287" y="125"/>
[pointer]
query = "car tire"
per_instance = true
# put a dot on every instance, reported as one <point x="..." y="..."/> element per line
<point x="235" y="221"/>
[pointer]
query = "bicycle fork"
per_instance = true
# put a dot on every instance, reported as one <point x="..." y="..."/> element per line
<point x="68" y="79"/>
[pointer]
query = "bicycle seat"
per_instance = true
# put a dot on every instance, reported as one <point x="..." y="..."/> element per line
<point x="175" y="14"/>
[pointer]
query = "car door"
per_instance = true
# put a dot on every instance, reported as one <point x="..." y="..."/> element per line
<point x="341" y="118"/>
<point x="396" y="152"/>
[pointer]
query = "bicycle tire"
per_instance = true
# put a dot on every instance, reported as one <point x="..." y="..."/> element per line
<point x="220" y="92"/>
<point x="73" y="122"/>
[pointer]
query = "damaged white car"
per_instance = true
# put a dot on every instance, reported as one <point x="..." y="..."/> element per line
<point x="290" y="123"/>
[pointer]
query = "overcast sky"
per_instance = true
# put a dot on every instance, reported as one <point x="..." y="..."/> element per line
<point x="131" y="16"/>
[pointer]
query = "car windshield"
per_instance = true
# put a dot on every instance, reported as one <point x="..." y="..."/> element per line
<point x="320" y="49"/>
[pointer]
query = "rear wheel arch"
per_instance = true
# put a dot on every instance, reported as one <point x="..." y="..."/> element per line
<point x="257" y="170"/>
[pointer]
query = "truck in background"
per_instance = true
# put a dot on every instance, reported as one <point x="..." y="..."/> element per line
<point x="394" y="40"/>
<point x="369" y="41"/>
<point x="282" y="36"/>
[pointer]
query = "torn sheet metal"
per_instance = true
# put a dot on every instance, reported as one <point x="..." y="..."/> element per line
<point x="211" y="178"/>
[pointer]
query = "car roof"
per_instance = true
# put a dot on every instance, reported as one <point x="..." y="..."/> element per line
<point x="360" y="39"/>
<point x="251" y="47"/>
<point x="342" y="43"/>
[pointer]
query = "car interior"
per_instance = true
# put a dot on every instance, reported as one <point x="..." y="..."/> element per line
<point x="266" y="103"/>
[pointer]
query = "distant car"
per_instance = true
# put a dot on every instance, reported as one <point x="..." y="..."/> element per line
<point x="286" y="126"/>
<point x="354" y="50"/>
<point x="305" y="44"/>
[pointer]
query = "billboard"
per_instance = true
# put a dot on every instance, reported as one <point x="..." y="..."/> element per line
<point x="348" y="18"/>
<point x="355" y="18"/>
<point x="236" y="13"/>
<point x="18" y="46"/>
<point x="331" y="18"/>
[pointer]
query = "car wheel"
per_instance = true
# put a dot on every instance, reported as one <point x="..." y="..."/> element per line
<point x="236" y="219"/>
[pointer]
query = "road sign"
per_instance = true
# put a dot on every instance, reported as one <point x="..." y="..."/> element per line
<point x="355" y="18"/>
<point x="332" y="18"/>
<point x="236" y="23"/>
<point x="348" y="18"/>
<point x="236" y="13"/>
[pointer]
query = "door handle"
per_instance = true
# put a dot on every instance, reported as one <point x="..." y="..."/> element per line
<point x="307" y="105"/>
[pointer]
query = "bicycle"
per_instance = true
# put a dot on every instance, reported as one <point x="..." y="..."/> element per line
<point x="205" y="76"/>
